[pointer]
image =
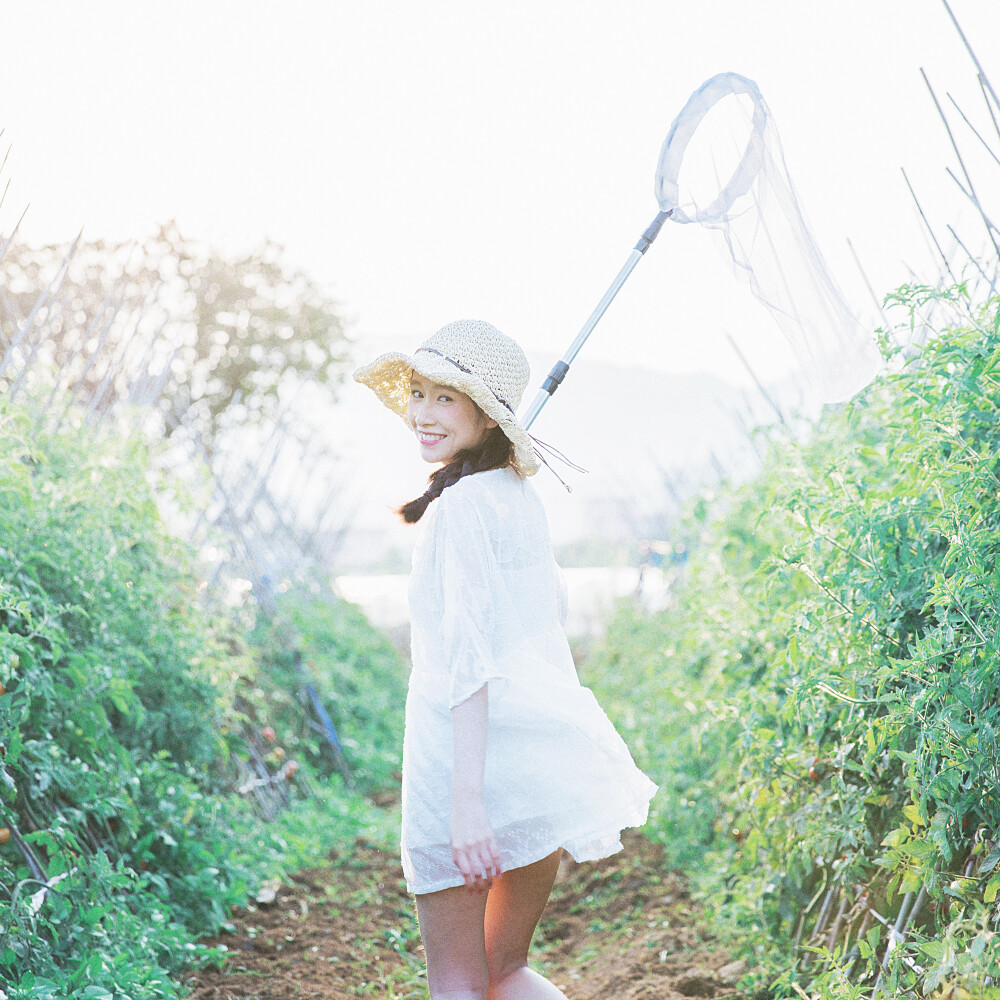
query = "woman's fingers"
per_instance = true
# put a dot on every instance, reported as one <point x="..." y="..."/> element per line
<point x="479" y="864"/>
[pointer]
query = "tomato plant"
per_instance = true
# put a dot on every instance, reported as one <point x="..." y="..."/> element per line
<point x="825" y="679"/>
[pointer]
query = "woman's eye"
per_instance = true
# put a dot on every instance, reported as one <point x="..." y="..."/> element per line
<point x="445" y="399"/>
<point x="415" y="393"/>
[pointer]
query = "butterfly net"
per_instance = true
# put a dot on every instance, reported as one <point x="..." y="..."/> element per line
<point x="722" y="167"/>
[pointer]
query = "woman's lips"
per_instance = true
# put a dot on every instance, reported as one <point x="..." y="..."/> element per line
<point x="429" y="439"/>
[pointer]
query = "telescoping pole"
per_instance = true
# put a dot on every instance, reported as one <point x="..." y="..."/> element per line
<point x="561" y="367"/>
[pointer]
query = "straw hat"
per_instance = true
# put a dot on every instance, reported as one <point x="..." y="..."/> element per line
<point x="473" y="357"/>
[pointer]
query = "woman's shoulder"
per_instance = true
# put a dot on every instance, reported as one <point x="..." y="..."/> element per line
<point x="490" y="499"/>
<point x="493" y="486"/>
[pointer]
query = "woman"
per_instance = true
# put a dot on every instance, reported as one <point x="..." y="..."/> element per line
<point x="507" y="759"/>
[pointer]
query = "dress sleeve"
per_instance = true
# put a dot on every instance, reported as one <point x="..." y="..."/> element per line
<point x="471" y="586"/>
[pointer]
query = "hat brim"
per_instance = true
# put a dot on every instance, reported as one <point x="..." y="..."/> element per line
<point x="388" y="376"/>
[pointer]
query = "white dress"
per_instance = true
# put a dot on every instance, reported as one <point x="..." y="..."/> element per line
<point x="487" y="606"/>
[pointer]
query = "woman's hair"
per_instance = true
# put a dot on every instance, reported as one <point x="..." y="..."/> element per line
<point x="495" y="451"/>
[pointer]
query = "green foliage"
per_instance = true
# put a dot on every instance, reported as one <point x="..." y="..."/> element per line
<point x="821" y="700"/>
<point x="122" y="734"/>
<point x="317" y="639"/>
<point x="111" y="720"/>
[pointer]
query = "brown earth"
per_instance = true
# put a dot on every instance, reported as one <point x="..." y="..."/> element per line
<point x="621" y="928"/>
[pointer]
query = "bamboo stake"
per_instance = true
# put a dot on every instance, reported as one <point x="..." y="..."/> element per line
<point x="157" y="388"/>
<point x="895" y="936"/>
<point x="989" y="222"/>
<point x="930" y="231"/>
<point x="824" y="910"/>
<point x="975" y="131"/>
<point x="866" y="919"/>
<point x="756" y="381"/>
<point x="983" y="79"/>
<point x="989" y="107"/>
<point x="115" y="366"/>
<point x="42" y="335"/>
<point x="52" y="286"/>
<point x="974" y="262"/>
<point x="144" y="363"/>
<point x="9" y="240"/>
<point x="95" y="354"/>
<point x="838" y="920"/>
<point x="72" y="356"/>
<point x="868" y="284"/>
<point x="951" y="138"/>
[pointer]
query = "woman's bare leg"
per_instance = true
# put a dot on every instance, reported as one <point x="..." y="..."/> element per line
<point x="451" y="928"/>
<point x="513" y="908"/>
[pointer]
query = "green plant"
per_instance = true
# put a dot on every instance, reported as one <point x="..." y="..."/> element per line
<point x="120" y="731"/>
<point x="821" y="700"/>
<point x="314" y="638"/>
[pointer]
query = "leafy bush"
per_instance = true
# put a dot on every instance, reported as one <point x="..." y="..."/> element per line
<point x="316" y="639"/>
<point x="821" y="700"/>
<point x="121" y="730"/>
<point x="115" y="691"/>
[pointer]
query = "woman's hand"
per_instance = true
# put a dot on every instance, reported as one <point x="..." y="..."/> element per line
<point x="473" y="846"/>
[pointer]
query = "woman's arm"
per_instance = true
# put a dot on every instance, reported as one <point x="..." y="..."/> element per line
<point x="473" y="847"/>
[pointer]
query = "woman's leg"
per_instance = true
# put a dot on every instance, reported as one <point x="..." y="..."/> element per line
<point x="513" y="908"/>
<point x="451" y="928"/>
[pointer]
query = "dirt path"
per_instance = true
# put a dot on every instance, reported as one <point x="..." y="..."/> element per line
<point x="620" y="928"/>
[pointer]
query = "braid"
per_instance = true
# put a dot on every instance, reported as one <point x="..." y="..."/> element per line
<point x="493" y="452"/>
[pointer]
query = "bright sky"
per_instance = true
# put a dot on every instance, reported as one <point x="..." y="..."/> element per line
<point x="444" y="158"/>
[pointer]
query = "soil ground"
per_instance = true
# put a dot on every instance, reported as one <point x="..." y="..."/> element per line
<point x="621" y="928"/>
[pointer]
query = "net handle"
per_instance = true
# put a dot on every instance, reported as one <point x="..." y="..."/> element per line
<point x="561" y="367"/>
<point x="683" y="128"/>
<point x="681" y="131"/>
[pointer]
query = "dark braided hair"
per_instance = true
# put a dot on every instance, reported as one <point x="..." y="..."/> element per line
<point x="493" y="452"/>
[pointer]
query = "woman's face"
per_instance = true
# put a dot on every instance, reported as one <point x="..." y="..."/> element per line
<point x="445" y="420"/>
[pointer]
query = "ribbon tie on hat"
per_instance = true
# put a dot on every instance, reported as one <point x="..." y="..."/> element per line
<point x="539" y="445"/>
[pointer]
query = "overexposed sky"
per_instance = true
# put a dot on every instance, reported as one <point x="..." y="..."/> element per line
<point x="437" y="159"/>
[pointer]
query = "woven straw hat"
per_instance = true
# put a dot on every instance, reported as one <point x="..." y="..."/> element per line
<point x="473" y="357"/>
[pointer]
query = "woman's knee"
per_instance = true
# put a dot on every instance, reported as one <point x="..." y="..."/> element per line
<point x="503" y="965"/>
<point x="459" y="986"/>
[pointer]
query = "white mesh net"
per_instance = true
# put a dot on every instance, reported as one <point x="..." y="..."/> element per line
<point x="722" y="166"/>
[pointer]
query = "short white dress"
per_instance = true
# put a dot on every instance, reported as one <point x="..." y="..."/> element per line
<point x="487" y="606"/>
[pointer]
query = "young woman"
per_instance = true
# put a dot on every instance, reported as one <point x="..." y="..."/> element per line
<point x="507" y="759"/>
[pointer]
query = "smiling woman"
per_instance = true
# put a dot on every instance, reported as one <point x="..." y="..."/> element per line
<point x="507" y="759"/>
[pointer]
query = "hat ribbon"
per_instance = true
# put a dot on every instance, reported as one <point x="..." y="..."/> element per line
<point x="468" y="371"/>
<point x="538" y="445"/>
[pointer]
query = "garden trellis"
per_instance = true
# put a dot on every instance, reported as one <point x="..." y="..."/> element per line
<point x="272" y="503"/>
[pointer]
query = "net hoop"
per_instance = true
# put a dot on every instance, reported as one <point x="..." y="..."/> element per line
<point x="683" y="128"/>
